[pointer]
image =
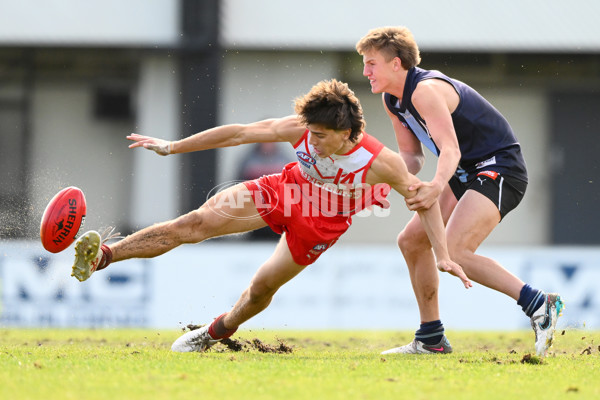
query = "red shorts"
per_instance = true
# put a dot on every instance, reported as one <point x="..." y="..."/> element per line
<point x="308" y="232"/>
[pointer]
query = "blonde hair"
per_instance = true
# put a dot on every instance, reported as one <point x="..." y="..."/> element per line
<point x="392" y="41"/>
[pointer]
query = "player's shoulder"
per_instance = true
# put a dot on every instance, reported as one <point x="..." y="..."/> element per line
<point x="383" y="165"/>
<point x="289" y="128"/>
<point x="370" y="142"/>
<point x="431" y="85"/>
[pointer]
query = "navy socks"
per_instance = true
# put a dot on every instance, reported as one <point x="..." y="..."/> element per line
<point x="430" y="333"/>
<point x="530" y="299"/>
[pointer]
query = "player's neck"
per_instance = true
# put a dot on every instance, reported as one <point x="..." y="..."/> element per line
<point x="349" y="145"/>
<point x="396" y="88"/>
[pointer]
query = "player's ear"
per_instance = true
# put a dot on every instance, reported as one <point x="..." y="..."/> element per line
<point x="397" y="63"/>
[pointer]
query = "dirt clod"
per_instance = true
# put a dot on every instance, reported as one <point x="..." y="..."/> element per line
<point x="233" y="344"/>
<point x="256" y="344"/>
<point x="530" y="359"/>
<point x="266" y="348"/>
<point x="242" y="344"/>
<point x="191" y="327"/>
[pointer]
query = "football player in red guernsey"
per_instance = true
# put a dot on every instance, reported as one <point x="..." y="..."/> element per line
<point x="340" y="170"/>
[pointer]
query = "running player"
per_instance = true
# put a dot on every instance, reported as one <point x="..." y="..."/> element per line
<point x="480" y="177"/>
<point x="340" y="171"/>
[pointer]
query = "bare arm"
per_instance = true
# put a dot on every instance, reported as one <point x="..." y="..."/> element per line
<point x="435" y="100"/>
<point x="390" y="168"/>
<point x="287" y="129"/>
<point x="409" y="146"/>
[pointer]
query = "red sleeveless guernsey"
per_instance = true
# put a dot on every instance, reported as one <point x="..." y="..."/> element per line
<point x="313" y="199"/>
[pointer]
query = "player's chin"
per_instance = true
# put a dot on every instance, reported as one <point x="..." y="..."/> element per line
<point x="374" y="88"/>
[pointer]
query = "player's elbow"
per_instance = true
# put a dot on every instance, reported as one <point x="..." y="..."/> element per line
<point x="417" y="164"/>
<point x="414" y="161"/>
<point x="452" y="153"/>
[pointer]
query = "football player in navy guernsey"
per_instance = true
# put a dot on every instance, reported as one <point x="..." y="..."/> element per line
<point x="340" y="170"/>
<point x="480" y="177"/>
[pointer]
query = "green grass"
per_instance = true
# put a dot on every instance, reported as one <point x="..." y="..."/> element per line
<point x="136" y="364"/>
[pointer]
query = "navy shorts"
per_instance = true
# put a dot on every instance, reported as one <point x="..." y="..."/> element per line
<point x="504" y="191"/>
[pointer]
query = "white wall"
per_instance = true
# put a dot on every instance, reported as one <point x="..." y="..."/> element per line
<point x="71" y="148"/>
<point x="527" y="111"/>
<point x="532" y="25"/>
<point x="156" y="182"/>
<point x="89" y="22"/>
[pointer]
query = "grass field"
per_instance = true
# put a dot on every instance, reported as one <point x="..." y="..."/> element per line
<point x="138" y="364"/>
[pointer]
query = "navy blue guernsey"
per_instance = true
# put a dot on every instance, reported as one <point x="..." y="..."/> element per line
<point x="485" y="137"/>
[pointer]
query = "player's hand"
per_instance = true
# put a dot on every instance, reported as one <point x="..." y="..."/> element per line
<point x="454" y="269"/>
<point x="427" y="194"/>
<point x="160" y="146"/>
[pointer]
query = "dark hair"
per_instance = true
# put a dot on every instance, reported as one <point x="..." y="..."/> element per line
<point x="331" y="104"/>
<point x="392" y="41"/>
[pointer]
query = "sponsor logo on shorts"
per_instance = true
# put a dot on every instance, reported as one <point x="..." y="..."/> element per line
<point x="318" y="249"/>
<point x="489" y="174"/>
<point x="306" y="159"/>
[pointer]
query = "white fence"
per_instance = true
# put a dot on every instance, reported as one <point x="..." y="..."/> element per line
<point x="349" y="287"/>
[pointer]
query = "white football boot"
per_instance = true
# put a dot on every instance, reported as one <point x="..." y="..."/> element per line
<point x="196" y="340"/>
<point x="418" y="347"/>
<point x="88" y="253"/>
<point x="543" y="322"/>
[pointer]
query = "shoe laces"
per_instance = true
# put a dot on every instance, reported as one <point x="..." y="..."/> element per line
<point x="109" y="234"/>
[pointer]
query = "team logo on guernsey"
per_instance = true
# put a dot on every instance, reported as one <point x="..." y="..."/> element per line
<point x="485" y="163"/>
<point x="305" y="159"/>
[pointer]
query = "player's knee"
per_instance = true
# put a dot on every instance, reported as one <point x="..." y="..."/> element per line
<point x="411" y="240"/>
<point x="459" y="254"/>
<point x="259" y="292"/>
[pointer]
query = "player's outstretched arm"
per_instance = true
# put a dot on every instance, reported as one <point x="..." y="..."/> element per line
<point x="287" y="129"/>
<point x="390" y="168"/>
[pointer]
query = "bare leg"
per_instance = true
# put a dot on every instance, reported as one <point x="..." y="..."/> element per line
<point x="473" y="219"/>
<point x="424" y="275"/>
<point x="219" y="216"/>
<point x="275" y="272"/>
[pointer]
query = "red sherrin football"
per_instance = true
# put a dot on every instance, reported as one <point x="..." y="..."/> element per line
<point x="62" y="219"/>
